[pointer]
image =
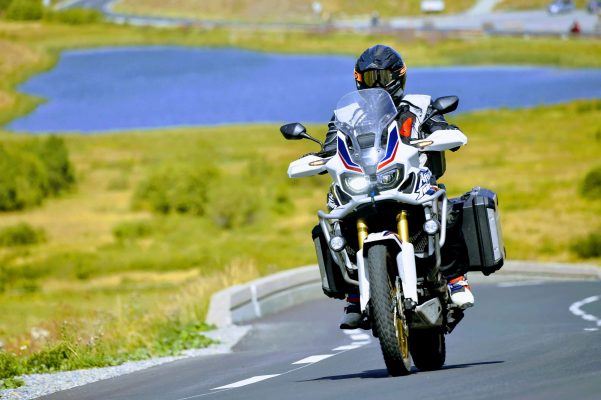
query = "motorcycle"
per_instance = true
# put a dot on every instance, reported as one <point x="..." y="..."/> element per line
<point x="386" y="225"/>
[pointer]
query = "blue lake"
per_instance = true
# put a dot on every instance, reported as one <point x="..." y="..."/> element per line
<point x="152" y="87"/>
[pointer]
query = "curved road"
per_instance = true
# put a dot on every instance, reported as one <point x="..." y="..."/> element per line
<point x="523" y="340"/>
<point x="480" y="17"/>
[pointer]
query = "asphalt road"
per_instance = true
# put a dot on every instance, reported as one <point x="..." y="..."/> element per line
<point x="522" y="340"/>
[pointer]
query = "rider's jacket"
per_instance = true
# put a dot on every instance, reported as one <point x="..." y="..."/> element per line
<point x="413" y="109"/>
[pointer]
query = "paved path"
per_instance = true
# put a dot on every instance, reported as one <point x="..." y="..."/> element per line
<point x="522" y="340"/>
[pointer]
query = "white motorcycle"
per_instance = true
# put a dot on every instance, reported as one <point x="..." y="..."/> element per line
<point x="386" y="226"/>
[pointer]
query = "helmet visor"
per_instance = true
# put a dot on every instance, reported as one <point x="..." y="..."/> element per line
<point x="375" y="77"/>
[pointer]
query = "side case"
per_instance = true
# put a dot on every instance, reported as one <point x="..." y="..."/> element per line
<point x="332" y="282"/>
<point x="481" y="230"/>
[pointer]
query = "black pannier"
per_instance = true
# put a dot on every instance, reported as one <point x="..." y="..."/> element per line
<point x="481" y="230"/>
<point x="332" y="282"/>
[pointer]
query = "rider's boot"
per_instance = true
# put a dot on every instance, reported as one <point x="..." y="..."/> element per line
<point x="352" y="313"/>
<point x="461" y="293"/>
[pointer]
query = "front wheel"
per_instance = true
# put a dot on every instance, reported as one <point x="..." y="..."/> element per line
<point x="428" y="348"/>
<point x="387" y="312"/>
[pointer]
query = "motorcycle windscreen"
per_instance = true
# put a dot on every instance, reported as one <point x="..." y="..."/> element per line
<point x="364" y="116"/>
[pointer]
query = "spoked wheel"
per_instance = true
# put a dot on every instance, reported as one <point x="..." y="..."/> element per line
<point x="428" y="348"/>
<point x="388" y="316"/>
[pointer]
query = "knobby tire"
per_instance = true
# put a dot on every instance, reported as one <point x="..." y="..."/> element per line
<point x="382" y="292"/>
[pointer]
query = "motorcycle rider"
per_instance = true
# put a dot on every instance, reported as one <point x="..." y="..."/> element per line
<point x="383" y="67"/>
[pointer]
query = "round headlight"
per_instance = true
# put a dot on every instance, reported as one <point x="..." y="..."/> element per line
<point x="431" y="226"/>
<point x="337" y="243"/>
<point x="390" y="179"/>
<point x="357" y="183"/>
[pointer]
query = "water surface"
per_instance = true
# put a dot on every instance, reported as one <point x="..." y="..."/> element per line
<point x="153" y="87"/>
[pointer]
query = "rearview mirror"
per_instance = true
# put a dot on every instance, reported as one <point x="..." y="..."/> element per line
<point x="446" y="104"/>
<point x="296" y="131"/>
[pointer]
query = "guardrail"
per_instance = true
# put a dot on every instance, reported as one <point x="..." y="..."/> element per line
<point x="264" y="296"/>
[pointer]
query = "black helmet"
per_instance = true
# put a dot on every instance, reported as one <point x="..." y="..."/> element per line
<point x="381" y="66"/>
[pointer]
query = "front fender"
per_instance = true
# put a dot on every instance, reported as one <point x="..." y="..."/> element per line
<point x="404" y="255"/>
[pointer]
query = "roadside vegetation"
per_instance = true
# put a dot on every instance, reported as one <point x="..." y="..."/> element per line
<point x="520" y="5"/>
<point x="131" y="266"/>
<point x="279" y="10"/>
<point x="123" y="265"/>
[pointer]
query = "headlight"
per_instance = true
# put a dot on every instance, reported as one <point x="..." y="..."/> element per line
<point x="359" y="184"/>
<point x="390" y="179"/>
<point x="355" y="184"/>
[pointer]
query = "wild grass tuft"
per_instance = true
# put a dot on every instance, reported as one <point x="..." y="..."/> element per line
<point x="588" y="246"/>
<point x="21" y="234"/>
<point x="591" y="185"/>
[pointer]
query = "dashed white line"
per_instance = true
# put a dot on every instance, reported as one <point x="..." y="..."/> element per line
<point x="576" y="310"/>
<point x="245" y="382"/>
<point x="591" y="329"/>
<point x="520" y="283"/>
<point x="360" y="336"/>
<point x="348" y="347"/>
<point x="313" y="359"/>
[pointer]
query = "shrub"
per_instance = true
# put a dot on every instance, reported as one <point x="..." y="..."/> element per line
<point x="4" y="5"/>
<point x="591" y="185"/>
<point x="178" y="188"/>
<point x="9" y="365"/>
<point x="132" y="230"/>
<point x="25" y="10"/>
<point x="589" y="246"/>
<point x="60" y="172"/>
<point x="23" y="179"/>
<point x="33" y="170"/>
<point x="21" y="235"/>
<point x="75" y="16"/>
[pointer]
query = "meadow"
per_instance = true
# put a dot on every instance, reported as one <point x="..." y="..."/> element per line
<point x="122" y="265"/>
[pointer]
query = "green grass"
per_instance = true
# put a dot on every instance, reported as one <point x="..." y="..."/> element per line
<point x="517" y="5"/>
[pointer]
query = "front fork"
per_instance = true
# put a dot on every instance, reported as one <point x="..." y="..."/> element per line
<point x="405" y="259"/>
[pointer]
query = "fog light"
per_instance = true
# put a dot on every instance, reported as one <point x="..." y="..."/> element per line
<point x="431" y="226"/>
<point x="337" y="243"/>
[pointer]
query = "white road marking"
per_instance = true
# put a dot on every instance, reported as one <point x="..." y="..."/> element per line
<point x="313" y="359"/>
<point x="591" y="329"/>
<point x="575" y="309"/>
<point x="520" y="283"/>
<point x="351" y="331"/>
<point x="360" y="336"/>
<point x="348" y="347"/>
<point x="245" y="382"/>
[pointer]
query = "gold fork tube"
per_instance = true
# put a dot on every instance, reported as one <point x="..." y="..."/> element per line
<point x="403" y="226"/>
<point x="361" y="231"/>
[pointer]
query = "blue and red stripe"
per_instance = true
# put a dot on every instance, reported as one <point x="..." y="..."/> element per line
<point x="393" y="146"/>
<point x="346" y="157"/>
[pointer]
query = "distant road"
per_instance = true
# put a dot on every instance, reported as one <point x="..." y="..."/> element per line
<point x="522" y="340"/>
<point x="478" y="18"/>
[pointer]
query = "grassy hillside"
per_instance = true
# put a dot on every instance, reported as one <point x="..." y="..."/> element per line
<point x="279" y="10"/>
<point x="110" y="257"/>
